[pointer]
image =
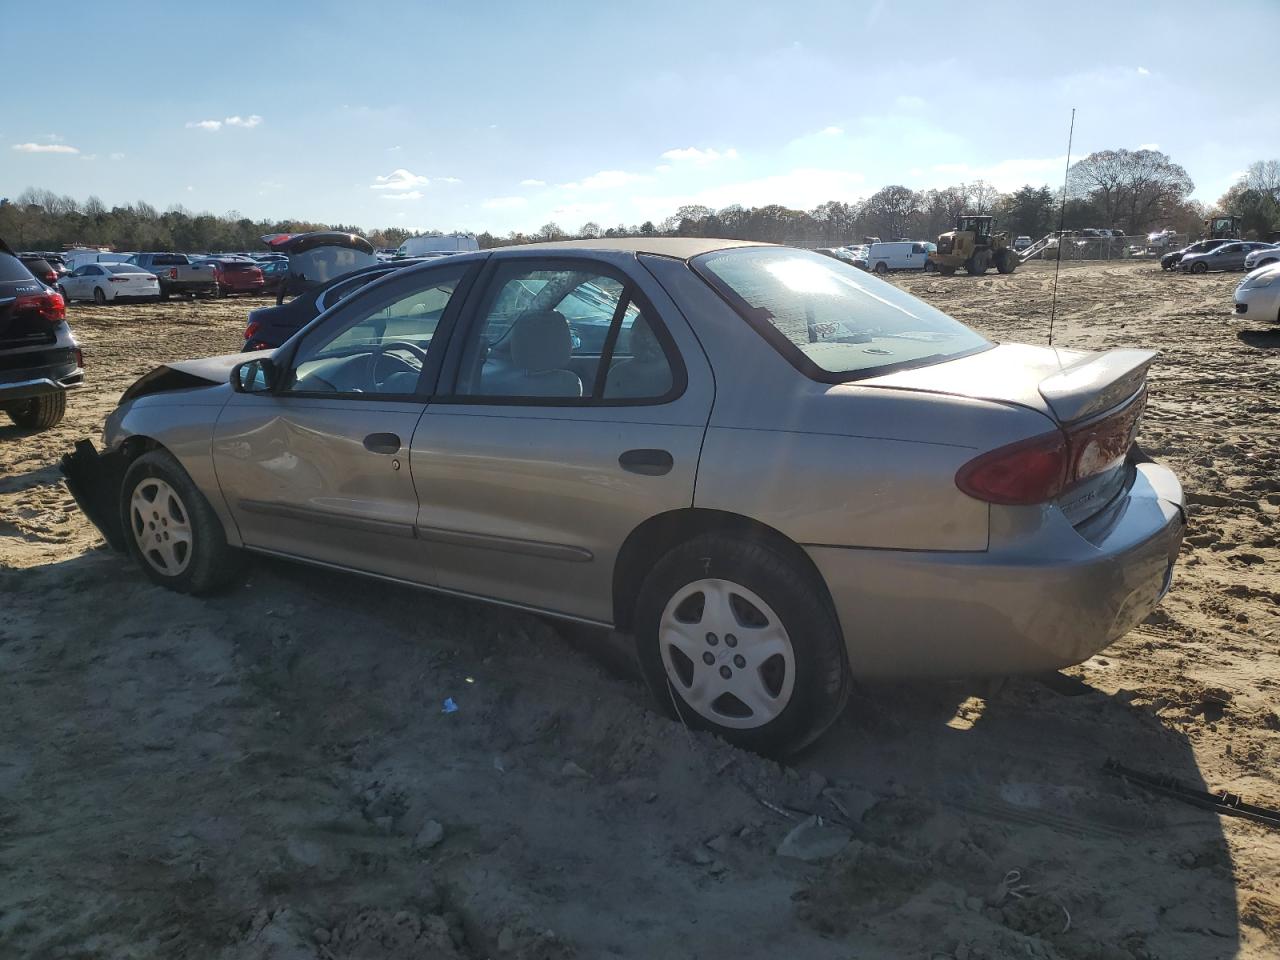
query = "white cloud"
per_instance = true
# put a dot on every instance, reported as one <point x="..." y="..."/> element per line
<point x="504" y="203"/>
<point x="117" y="156"/>
<point x="393" y="149"/>
<point x="1148" y="146"/>
<point x="406" y="195"/>
<point x="204" y="124"/>
<point x="399" y="179"/>
<point x="533" y="183"/>
<point x="44" y="148"/>
<point x="700" y="157"/>
<point x="212" y="126"/>
<point x="832" y="131"/>
<point x="250" y="122"/>
<point x="448" y="180"/>
<point x="605" y="180"/>
<point x="1144" y="72"/>
<point x="88" y="156"/>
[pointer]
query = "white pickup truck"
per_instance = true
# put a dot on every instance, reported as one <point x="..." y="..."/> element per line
<point x="177" y="274"/>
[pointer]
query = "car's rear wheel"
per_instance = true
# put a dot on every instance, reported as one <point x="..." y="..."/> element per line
<point x="736" y="638"/>
<point x="172" y="531"/>
<point x="39" y="413"/>
<point x="99" y="297"/>
<point x="929" y="266"/>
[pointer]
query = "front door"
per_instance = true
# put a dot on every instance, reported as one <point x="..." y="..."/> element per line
<point x="572" y="409"/>
<point x="319" y="467"/>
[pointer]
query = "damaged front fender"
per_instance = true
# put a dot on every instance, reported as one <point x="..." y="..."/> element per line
<point x="94" y="480"/>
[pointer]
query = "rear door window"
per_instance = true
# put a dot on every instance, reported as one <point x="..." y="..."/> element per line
<point x="12" y="269"/>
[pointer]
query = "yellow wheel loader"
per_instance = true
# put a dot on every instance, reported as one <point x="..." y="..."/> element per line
<point x="975" y="245"/>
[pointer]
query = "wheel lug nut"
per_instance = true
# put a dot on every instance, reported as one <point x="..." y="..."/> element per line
<point x="712" y="639"/>
<point x="726" y="672"/>
<point x="730" y="640"/>
<point x="739" y="661"/>
<point x="708" y="658"/>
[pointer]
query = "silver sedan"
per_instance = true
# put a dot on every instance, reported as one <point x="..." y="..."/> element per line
<point x="776" y="472"/>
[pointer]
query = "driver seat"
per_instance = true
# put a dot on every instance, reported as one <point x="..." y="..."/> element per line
<point x="541" y="348"/>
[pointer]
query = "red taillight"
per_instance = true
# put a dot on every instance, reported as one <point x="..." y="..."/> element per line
<point x="251" y="329"/>
<point x="1030" y="471"/>
<point x="173" y="273"/>
<point x="48" y="306"/>
<point x="51" y="278"/>
<point x="1039" y="469"/>
<point x="118" y="279"/>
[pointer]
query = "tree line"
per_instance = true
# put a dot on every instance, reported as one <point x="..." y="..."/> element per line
<point x="1129" y="190"/>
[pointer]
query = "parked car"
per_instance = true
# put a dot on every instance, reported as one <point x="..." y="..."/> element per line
<point x="1263" y="256"/>
<point x="881" y="491"/>
<point x="1174" y="257"/>
<point x="107" y="282"/>
<point x="1258" y="295"/>
<point x="269" y="327"/>
<point x="899" y="255"/>
<point x="40" y="268"/>
<point x="447" y="243"/>
<point x="319" y="257"/>
<point x="1161" y="239"/>
<point x="1228" y="256"/>
<point x="1021" y="243"/>
<point x="178" y="274"/>
<point x="39" y="358"/>
<point x="236" y="275"/>
<point x="275" y="271"/>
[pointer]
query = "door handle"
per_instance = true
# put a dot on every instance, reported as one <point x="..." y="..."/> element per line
<point x="382" y="443"/>
<point x="650" y="463"/>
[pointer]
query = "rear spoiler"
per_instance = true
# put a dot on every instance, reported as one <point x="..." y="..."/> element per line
<point x="1095" y="383"/>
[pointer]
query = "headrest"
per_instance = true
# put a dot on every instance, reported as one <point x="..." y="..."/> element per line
<point x="540" y="341"/>
<point x="644" y="344"/>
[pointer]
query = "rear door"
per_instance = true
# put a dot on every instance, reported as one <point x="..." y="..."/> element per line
<point x="572" y="409"/>
<point x="319" y="468"/>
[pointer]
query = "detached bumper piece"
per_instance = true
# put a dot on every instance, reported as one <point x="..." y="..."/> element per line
<point x="94" y="481"/>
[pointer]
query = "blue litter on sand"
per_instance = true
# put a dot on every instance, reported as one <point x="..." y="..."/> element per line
<point x="449" y="706"/>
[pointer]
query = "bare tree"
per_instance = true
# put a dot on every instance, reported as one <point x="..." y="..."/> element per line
<point x="1263" y="176"/>
<point x="980" y="197"/>
<point x="1130" y="186"/>
<point x="589" y="230"/>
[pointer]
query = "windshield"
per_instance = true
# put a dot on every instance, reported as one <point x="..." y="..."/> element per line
<point x="830" y="319"/>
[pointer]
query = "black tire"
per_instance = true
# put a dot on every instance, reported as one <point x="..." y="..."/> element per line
<point x="947" y="271"/>
<point x="975" y="267"/>
<point x="218" y="292"/>
<point x="39" y="413"/>
<point x="881" y="268"/>
<point x="820" y="686"/>
<point x="99" y="297"/>
<point x="1199" y="267"/>
<point x="930" y="266"/>
<point x="1006" y="261"/>
<point x="164" y="294"/>
<point x="63" y="291"/>
<point x="210" y="562"/>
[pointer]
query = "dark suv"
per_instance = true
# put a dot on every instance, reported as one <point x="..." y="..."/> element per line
<point x="39" y="358"/>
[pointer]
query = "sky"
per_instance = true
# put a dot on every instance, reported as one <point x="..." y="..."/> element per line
<point x="503" y="116"/>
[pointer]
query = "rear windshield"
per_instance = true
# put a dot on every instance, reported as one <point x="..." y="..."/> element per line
<point x="169" y="260"/>
<point x="11" y="269"/>
<point x="830" y="319"/>
<point x="322" y="264"/>
<point x="121" y="268"/>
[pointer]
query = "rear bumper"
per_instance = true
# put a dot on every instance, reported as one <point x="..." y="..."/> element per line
<point x="39" y="381"/>
<point x="94" y="481"/>
<point x="1054" y="599"/>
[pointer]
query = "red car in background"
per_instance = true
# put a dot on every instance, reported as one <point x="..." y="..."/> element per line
<point x="237" y="275"/>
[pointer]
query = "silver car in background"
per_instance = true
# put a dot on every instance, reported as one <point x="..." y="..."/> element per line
<point x="773" y="470"/>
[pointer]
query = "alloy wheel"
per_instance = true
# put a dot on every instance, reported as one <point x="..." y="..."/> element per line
<point x="161" y="526"/>
<point x="727" y="653"/>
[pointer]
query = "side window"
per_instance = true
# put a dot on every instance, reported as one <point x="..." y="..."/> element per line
<point x="562" y="334"/>
<point x="379" y="345"/>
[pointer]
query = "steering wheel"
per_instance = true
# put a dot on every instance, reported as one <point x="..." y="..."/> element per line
<point x="383" y="352"/>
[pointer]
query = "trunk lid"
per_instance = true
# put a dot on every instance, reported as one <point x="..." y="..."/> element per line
<point x="1095" y="399"/>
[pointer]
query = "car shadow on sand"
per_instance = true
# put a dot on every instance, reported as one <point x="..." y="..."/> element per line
<point x="1263" y="339"/>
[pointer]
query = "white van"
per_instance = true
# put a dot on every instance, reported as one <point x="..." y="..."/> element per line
<point x="899" y="255"/>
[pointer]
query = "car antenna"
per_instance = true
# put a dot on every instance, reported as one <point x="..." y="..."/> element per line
<point x="1062" y="218"/>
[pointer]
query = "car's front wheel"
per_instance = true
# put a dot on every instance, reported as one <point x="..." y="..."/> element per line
<point x="735" y="637"/>
<point x="173" y="533"/>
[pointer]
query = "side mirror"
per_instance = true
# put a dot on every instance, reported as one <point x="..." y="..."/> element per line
<point x="254" y="376"/>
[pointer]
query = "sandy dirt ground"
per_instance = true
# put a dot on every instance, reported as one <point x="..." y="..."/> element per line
<point x="268" y="773"/>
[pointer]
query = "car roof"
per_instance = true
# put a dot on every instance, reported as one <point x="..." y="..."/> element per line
<point x="680" y="248"/>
